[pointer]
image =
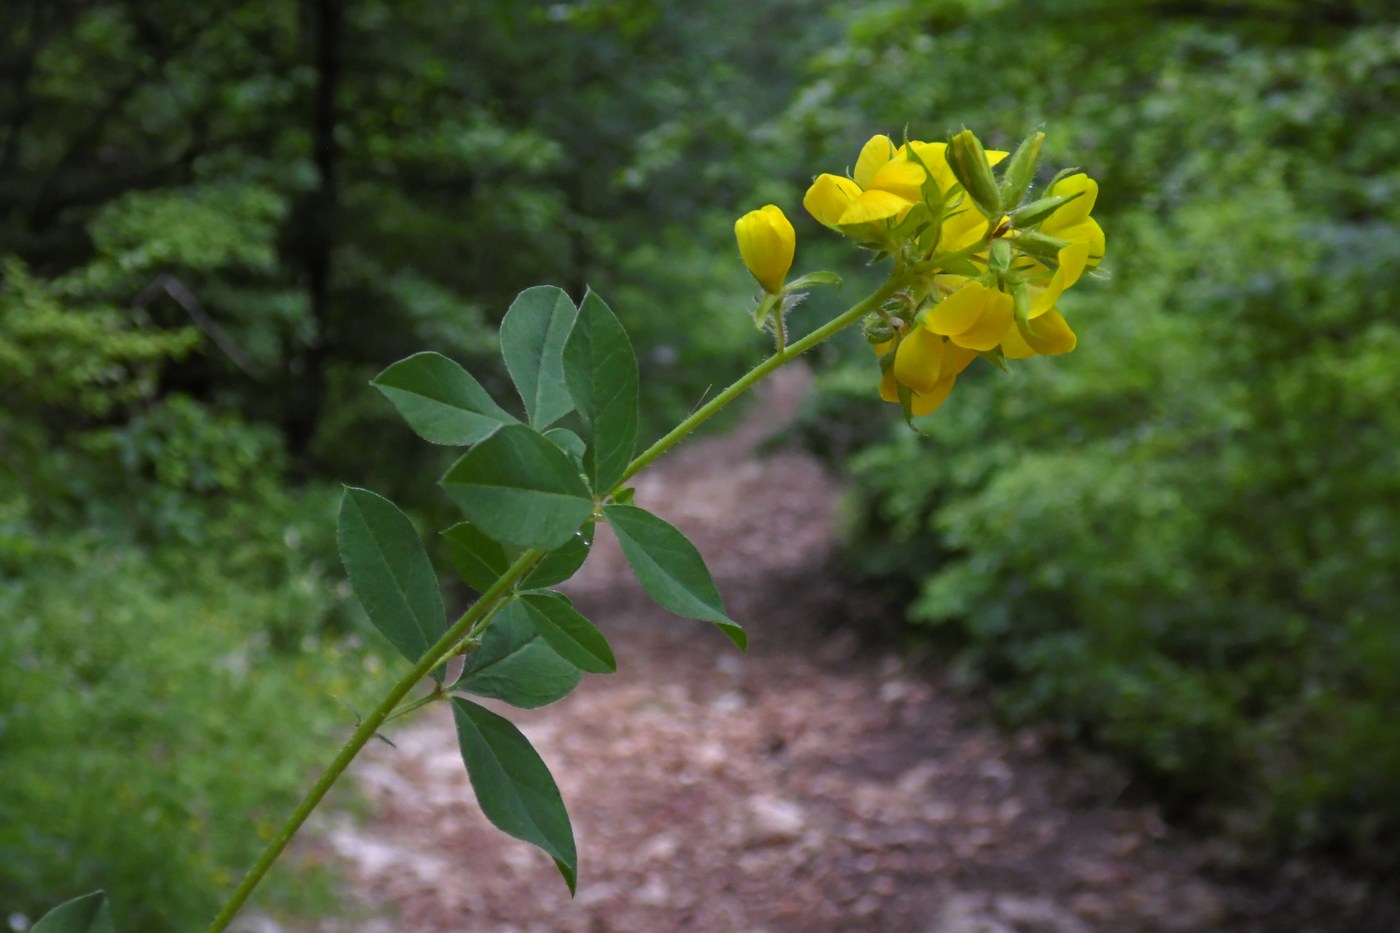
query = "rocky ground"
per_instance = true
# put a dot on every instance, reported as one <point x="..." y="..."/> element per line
<point x="813" y="784"/>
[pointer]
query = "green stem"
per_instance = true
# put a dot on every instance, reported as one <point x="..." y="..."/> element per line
<point x="747" y="381"/>
<point x="365" y="731"/>
<point x="447" y="644"/>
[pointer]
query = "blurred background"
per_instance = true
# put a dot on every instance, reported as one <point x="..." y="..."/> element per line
<point x="1180" y="545"/>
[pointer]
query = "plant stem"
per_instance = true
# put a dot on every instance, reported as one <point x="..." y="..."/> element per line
<point x="365" y="731"/>
<point x="747" y="381"/>
<point x="490" y="600"/>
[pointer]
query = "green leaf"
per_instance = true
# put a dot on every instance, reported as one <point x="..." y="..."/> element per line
<point x="567" y="441"/>
<point x="480" y="560"/>
<point x="569" y="633"/>
<point x="563" y="562"/>
<point x="513" y="787"/>
<point x="390" y="573"/>
<point x="669" y="568"/>
<point x="812" y="279"/>
<point x="440" y="400"/>
<point x="601" y="371"/>
<point x="533" y="333"/>
<point x="86" y="914"/>
<point x="519" y="488"/>
<point x="515" y="663"/>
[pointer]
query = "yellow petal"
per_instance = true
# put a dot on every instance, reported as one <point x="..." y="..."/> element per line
<point x="1072" y="262"/>
<point x="997" y="317"/>
<point x="766" y="244"/>
<point x="1014" y="346"/>
<point x="874" y="205"/>
<point x="956" y="359"/>
<point x="924" y="403"/>
<point x="958" y="311"/>
<point x="1075" y="211"/>
<point x="899" y="177"/>
<point x="1053" y="335"/>
<point x="995" y="155"/>
<point x="962" y="230"/>
<point x="935" y="158"/>
<point x="1087" y="232"/>
<point x="873" y="155"/>
<point x="918" y="362"/>
<point x="829" y="197"/>
<point x="889" y="389"/>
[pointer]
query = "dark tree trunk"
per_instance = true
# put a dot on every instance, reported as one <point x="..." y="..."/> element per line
<point x="318" y="219"/>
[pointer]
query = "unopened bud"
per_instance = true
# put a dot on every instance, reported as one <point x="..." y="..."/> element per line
<point x="1028" y="215"/>
<point x="1040" y="245"/>
<point x="877" y="329"/>
<point x="1020" y="171"/>
<point x="968" y="160"/>
<point x="999" y="257"/>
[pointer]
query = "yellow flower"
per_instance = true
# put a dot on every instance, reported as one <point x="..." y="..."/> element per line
<point x="766" y="244"/>
<point x="1046" y="331"/>
<point x="927" y="365"/>
<point x="974" y="317"/>
<point x="965" y="225"/>
<point x="882" y="187"/>
<point x="1072" y="222"/>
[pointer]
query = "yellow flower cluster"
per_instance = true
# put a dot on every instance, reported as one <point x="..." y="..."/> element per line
<point x="992" y="269"/>
<point x="981" y="268"/>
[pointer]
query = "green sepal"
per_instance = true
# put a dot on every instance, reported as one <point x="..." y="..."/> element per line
<point x="440" y="400"/>
<point x="968" y="160"/>
<point x="515" y="663"/>
<point x="764" y="312"/>
<point x="89" y="913"/>
<point x="1021" y="298"/>
<point x="513" y="786"/>
<point x="533" y="334"/>
<point x="812" y="279"/>
<point x="996" y="357"/>
<point x="519" y="488"/>
<point x="1041" y="245"/>
<point x="1019" y="170"/>
<point x="1061" y="175"/>
<point x="390" y="573"/>
<point x="670" y="568"/>
<point x="1028" y="215"/>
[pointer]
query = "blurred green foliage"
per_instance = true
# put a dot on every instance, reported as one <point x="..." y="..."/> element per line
<point x="1182" y="542"/>
<point x="217" y="222"/>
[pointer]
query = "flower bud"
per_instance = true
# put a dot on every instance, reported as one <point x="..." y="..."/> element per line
<point x="1040" y="245"/>
<point x="1028" y="215"/>
<point x="766" y="244"/>
<point x="1020" y="171"/>
<point x="968" y="160"/>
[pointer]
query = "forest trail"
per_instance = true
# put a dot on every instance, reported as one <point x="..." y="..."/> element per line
<point x="812" y="784"/>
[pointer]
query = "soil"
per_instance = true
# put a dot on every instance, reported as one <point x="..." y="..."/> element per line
<point x="815" y="783"/>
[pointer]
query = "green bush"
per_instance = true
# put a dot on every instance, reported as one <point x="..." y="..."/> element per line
<point x="152" y="733"/>
<point x="1182" y="542"/>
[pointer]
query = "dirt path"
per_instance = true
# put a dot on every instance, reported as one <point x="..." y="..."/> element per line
<point x="809" y="785"/>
